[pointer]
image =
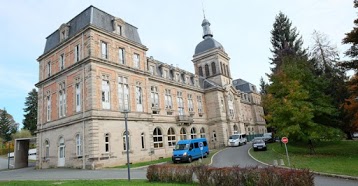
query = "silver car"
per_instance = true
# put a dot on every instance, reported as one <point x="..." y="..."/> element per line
<point x="259" y="144"/>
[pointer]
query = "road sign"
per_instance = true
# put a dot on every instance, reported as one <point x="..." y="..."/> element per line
<point x="201" y="145"/>
<point x="284" y="140"/>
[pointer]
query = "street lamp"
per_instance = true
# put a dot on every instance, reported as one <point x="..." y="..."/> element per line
<point x="125" y="112"/>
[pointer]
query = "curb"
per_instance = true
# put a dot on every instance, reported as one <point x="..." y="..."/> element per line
<point x="314" y="172"/>
<point x="211" y="160"/>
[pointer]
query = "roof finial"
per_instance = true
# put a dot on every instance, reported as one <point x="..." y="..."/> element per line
<point x="202" y="4"/>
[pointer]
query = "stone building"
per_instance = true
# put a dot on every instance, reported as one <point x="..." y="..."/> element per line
<point x="94" y="69"/>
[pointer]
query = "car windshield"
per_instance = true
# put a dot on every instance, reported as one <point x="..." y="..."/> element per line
<point x="268" y="135"/>
<point x="234" y="137"/>
<point x="181" y="147"/>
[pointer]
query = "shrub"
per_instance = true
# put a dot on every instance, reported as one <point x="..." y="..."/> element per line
<point x="170" y="173"/>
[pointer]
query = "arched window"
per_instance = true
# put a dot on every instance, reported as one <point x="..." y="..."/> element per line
<point x="142" y="140"/>
<point x="227" y="70"/>
<point x="201" y="71"/>
<point x="214" y="136"/>
<point x="207" y="72"/>
<point x="193" y="133"/>
<point x="182" y="134"/>
<point x="125" y="141"/>
<point x="202" y="132"/>
<point x="221" y="65"/>
<point x="106" y="142"/>
<point x="224" y="70"/>
<point x="213" y="67"/>
<point x="171" y="137"/>
<point x="157" y="138"/>
<point x="47" y="149"/>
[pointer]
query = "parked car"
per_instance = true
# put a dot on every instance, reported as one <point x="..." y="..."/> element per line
<point x="237" y="140"/>
<point x="355" y="135"/>
<point x="259" y="144"/>
<point x="188" y="150"/>
<point x="268" y="137"/>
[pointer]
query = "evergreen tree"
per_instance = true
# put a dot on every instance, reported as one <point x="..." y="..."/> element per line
<point x="7" y="125"/>
<point x="30" y="121"/>
<point x="294" y="102"/>
<point x="351" y="107"/>
<point x="285" y="41"/>
<point x="263" y="86"/>
<point x="352" y="38"/>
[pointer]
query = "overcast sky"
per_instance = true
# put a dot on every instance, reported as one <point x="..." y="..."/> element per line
<point x="170" y="29"/>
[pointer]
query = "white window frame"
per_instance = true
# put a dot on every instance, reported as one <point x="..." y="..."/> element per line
<point x="123" y="93"/>
<point x="119" y="29"/>
<point x="77" y="53"/>
<point x="49" y="69"/>
<point x="139" y="97"/>
<point x="157" y="138"/>
<point x="62" y="100"/>
<point x="200" y="104"/>
<point x="151" y="69"/>
<point x="193" y="134"/>
<point x="107" y="143"/>
<point x="190" y="103"/>
<point x="136" y="60"/>
<point x="47" y="149"/>
<point x="48" y="108"/>
<point x="121" y="56"/>
<point x="183" y="134"/>
<point x="154" y="96"/>
<point x="125" y="141"/>
<point x="168" y="99"/>
<point x="171" y="137"/>
<point x="104" y="50"/>
<point x="202" y="132"/>
<point x="78" y="145"/>
<point x="62" y="61"/>
<point x="78" y="96"/>
<point x="105" y="96"/>
<point x="180" y="103"/>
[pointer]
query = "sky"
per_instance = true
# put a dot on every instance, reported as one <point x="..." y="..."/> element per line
<point x="170" y="29"/>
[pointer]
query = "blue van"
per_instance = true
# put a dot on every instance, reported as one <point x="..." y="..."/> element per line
<point x="188" y="150"/>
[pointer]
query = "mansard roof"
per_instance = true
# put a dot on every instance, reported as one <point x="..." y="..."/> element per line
<point x="95" y="17"/>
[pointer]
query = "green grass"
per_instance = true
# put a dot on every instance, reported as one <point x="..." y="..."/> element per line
<point x="205" y="161"/>
<point x="335" y="157"/>
<point x="88" y="183"/>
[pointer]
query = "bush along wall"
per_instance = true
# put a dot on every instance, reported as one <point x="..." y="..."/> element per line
<point x="227" y="176"/>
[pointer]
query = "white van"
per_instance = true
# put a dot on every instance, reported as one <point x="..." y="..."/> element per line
<point x="237" y="140"/>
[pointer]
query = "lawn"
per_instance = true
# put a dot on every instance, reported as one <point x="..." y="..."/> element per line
<point x="88" y="183"/>
<point x="205" y="161"/>
<point x="339" y="157"/>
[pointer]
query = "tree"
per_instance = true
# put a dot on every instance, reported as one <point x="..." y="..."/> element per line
<point x="293" y="101"/>
<point x="263" y="86"/>
<point x="7" y="125"/>
<point x="285" y="41"/>
<point x="30" y="121"/>
<point x="352" y="38"/>
<point x="351" y="106"/>
<point x="24" y="133"/>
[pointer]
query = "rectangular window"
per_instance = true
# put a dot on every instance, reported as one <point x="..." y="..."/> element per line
<point x="200" y="104"/>
<point x="168" y="99"/>
<point x="136" y="60"/>
<point x="49" y="69"/>
<point x="119" y="29"/>
<point x="105" y="95"/>
<point x="180" y="103"/>
<point x="78" y="97"/>
<point x="142" y="140"/>
<point x="62" y="101"/>
<point x="48" y="108"/>
<point x="190" y="103"/>
<point x="125" y="142"/>
<point x="139" y="98"/>
<point x="121" y="55"/>
<point x="62" y="61"/>
<point x="154" y="96"/>
<point x="78" y="145"/>
<point x="165" y="74"/>
<point x="77" y="53"/>
<point x="123" y="93"/>
<point x="177" y="77"/>
<point x="106" y="142"/>
<point x="104" y="50"/>
<point x="47" y="149"/>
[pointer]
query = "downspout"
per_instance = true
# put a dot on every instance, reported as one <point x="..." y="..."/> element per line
<point x="83" y="109"/>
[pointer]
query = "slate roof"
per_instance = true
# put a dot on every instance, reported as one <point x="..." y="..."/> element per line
<point x="91" y="16"/>
<point x="207" y="44"/>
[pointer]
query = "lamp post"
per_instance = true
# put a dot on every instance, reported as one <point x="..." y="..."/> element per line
<point x="127" y="142"/>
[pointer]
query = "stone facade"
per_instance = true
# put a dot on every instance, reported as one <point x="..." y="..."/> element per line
<point x="94" y="69"/>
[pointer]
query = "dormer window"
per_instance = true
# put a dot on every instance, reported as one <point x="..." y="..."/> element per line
<point x="119" y="29"/>
<point x="118" y="26"/>
<point x="64" y="30"/>
<point x="177" y="77"/>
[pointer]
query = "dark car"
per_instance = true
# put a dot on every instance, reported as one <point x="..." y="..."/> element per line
<point x="268" y="137"/>
<point x="259" y="144"/>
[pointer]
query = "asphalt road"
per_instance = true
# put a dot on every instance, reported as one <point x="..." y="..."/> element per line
<point x="239" y="156"/>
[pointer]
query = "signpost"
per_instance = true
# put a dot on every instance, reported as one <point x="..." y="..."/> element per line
<point x="201" y="149"/>
<point x="285" y="140"/>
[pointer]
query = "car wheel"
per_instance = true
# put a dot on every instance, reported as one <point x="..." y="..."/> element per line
<point x="239" y="144"/>
<point x="190" y="159"/>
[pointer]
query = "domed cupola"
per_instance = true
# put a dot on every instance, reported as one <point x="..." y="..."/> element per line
<point x="209" y="42"/>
